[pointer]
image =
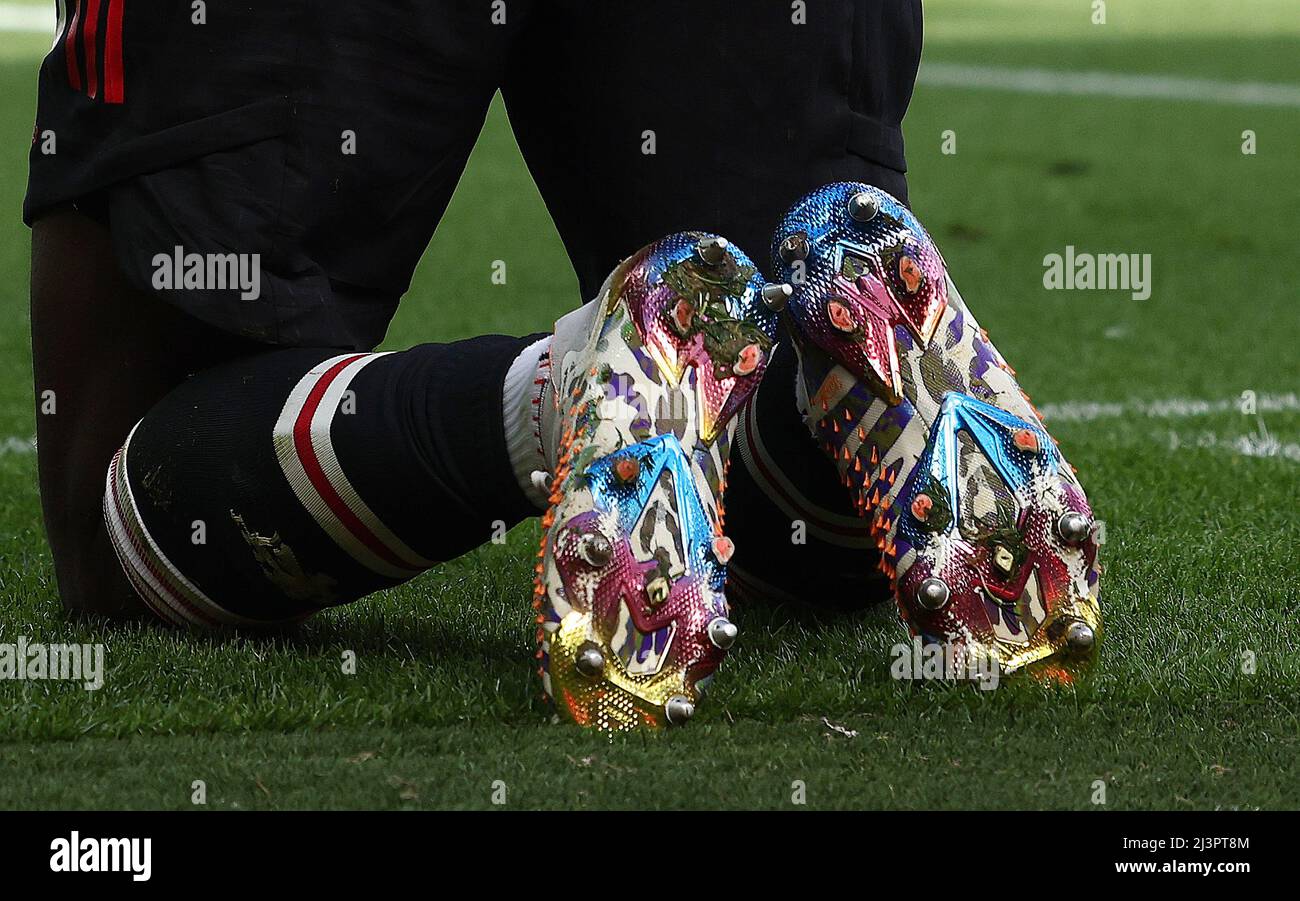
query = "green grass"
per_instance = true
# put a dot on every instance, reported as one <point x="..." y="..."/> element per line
<point x="1202" y="541"/>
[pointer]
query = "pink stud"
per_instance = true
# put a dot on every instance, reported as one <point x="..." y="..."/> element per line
<point x="750" y="356"/>
<point x="840" y="316"/>
<point x="683" y="316"/>
<point x="723" y="548"/>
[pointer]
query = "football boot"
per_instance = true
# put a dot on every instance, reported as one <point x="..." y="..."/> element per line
<point x="983" y="527"/>
<point x="645" y="382"/>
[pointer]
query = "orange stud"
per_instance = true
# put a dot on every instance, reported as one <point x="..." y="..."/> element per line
<point x="627" y="469"/>
<point x="910" y="273"/>
<point x="921" y="506"/>
<point x="1025" y="439"/>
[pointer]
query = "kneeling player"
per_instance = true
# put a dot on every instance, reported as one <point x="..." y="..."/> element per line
<point x="265" y="464"/>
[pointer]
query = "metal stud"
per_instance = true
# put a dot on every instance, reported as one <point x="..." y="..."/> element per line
<point x="712" y="250"/>
<point x="1003" y="559"/>
<point x="657" y="591"/>
<point x="1080" y="637"/>
<point x="775" y="297"/>
<point x="932" y="594"/>
<point x="590" y="661"/>
<point x="1073" y="527"/>
<point x="723" y="632"/>
<point x="793" y="248"/>
<point x="595" y="548"/>
<point x="679" y="709"/>
<point x="863" y="207"/>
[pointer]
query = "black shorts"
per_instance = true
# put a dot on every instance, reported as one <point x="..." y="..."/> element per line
<point x="230" y="135"/>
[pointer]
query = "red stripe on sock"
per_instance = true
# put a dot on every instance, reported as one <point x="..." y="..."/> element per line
<point x="89" y="40"/>
<point x="114" y="76"/>
<point x="320" y="481"/>
<point x="145" y="554"/>
<point x="70" y="49"/>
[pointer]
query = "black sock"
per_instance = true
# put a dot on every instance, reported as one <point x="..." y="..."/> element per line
<point x="265" y="489"/>
<point x="797" y="535"/>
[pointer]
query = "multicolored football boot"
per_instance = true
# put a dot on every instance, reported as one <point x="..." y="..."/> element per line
<point x="632" y="619"/>
<point x="983" y="527"/>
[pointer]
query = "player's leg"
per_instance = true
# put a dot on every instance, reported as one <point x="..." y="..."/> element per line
<point x="103" y="352"/>
<point x="262" y="137"/>
<point x="706" y="118"/>
<point x="262" y="490"/>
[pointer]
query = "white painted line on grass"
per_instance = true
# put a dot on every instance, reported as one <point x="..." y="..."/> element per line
<point x="1169" y="408"/>
<point x="1110" y="84"/>
<point x="12" y="444"/>
<point x="29" y="19"/>
<point x="1260" y="444"/>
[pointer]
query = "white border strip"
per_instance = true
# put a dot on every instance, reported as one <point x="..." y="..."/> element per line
<point x="306" y="492"/>
<point x="19" y="17"/>
<point x="1130" y="86"/>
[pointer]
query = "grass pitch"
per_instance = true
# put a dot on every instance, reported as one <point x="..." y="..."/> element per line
<point x="1200" y="500"/>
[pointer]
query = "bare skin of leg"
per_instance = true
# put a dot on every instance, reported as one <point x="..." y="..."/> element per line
<point x="108" y="352"/>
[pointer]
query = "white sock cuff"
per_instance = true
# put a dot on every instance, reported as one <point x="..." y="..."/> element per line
<point x="521" y="401"/>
